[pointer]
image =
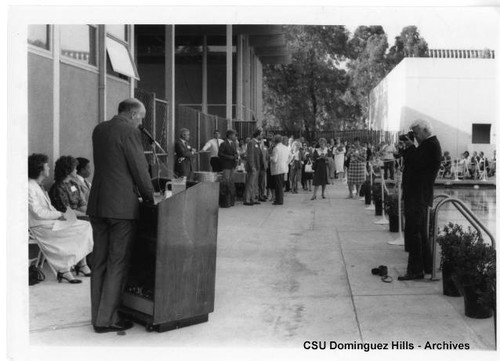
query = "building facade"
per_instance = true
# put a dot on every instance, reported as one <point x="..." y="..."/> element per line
<point x="457" y="95"/>
<point x="77" y="75"/>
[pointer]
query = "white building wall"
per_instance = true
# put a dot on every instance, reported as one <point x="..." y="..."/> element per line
<point x="451" y="93"/>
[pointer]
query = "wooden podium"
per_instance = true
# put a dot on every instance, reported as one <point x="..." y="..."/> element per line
<point x="171" y="281"/>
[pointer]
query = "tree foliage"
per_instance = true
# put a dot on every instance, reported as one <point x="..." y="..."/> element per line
<point x="328" y="82"/>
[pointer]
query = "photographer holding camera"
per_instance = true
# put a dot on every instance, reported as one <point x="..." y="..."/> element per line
<point x="421" y="166"/>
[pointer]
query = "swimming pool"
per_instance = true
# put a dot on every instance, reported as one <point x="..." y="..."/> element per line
<point x="482" y="202"/>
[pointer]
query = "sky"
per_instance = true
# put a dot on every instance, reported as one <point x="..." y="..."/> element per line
<point x="465" y="27"/>
<point x="456" y="28"/>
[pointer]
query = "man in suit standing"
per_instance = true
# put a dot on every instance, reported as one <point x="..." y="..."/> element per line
<point x="261" y="192"/>
<point x="121" y="170"/>
<point x="183" y="155"/>
<point x="228" y="155"/>
<point x="421" y="166"/>
<point x="252" y="166"/>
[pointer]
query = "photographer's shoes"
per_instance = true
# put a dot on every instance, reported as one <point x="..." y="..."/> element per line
<point x="411" y="277"/>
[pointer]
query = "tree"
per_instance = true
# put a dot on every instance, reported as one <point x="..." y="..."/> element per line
<point x="368" y="69"/>
<point x="407" y="44"/>
<point x="327" y="84"/>
<point x="307" y="94"/>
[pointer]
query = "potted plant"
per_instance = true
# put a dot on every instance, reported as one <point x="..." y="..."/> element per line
<point x="392" y="210"/>
<point x="377" y="198"/>
<point x="368" y="192"/>
<point x="473" y="262"/>
<point x="449" y="239"/>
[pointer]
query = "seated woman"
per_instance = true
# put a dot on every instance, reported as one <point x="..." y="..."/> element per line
<point x="64" y="247"/>
<point x="66" y="192"/>
<point x="82" y="173"/>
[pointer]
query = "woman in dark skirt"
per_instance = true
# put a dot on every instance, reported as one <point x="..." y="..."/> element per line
<point x="320" y="172"/>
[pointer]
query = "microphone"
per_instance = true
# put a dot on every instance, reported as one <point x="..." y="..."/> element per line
<point x="150" y="137"/>
<point x="147" y="134"/>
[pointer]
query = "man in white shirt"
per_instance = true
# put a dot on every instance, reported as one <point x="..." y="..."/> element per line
<point x="279" y="166"/>
<point x="388" y="157"/>
<point x="213" y="146"/>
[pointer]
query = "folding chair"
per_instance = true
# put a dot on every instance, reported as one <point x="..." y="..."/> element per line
<point x="40" y="259"/>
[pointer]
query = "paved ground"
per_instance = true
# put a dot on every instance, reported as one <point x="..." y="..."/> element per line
<point x="286" y="275"/>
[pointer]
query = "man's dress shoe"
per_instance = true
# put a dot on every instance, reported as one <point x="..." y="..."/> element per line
<point x="121" y="325"/>
<point x="410" y="277"/>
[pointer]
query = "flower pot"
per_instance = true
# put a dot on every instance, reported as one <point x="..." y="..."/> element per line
<point x="393" y="223"/>
<point x="473" y="308"/>
<point x="378" y="207"/>
<point x="449" y="287"/>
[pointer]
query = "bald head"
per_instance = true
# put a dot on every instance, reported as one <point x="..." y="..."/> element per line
<point x="132" y="109"/>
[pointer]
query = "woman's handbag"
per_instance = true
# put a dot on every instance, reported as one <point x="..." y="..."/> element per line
<point x="35" y="275"/>
<point x="309" y="167"/>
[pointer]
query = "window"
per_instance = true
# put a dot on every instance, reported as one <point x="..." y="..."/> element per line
<point x="38" y="35"/>
<point x="120" y="58"/>
<point x="79" y="43"/>
<point x="118" y="31"/>
<point x="481" y="133"/>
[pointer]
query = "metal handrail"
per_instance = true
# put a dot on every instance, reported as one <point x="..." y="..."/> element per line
<point x="467" y="213"/>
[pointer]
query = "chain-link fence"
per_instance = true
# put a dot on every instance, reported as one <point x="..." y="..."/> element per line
<point x="244" y="129"/>
<point x="155" y="122"/>
<point x="201" y="127"/>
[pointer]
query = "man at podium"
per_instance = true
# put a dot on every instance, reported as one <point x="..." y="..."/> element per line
<point x="121" y="170"/>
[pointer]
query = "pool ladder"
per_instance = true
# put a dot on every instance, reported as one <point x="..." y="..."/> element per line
<point x="432" y="229"/>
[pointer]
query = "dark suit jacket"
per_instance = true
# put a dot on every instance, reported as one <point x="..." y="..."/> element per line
<point x="228" y="155"/>
<point x="121" y="171"/>
<point x="421" y="169"/>
<point x="254" y="155"/>
<point x="182" y="168"/>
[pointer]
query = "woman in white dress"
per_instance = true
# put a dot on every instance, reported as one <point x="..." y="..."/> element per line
<point x="339" y="152"/>
<point x="66" y="246"/>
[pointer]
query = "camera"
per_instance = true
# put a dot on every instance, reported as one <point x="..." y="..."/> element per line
<point x="404" y="137"/>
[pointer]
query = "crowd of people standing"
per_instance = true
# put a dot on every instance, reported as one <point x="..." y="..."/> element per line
<point x="275" y="164"/>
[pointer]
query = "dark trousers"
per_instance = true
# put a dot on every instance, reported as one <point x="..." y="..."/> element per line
<point x="215" y="164"/>
<point x="251" y="188"/>
<point x="416" y="241"/>
<point x="278" y="188"/>
<point x="113" y="241"/>
<point x="389" y="168"/>
<point x="287" y="181"/>
<point x="227" y="189"/>
<point x="262" y="183"/>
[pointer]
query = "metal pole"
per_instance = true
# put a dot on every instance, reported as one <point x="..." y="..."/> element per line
<point x="371" y="206"/>
<point x="383" y="220"/>
<point x="400" y="241"/>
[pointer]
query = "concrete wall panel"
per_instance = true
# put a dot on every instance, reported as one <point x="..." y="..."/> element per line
<point x="40" y="105"/>
<point x="116" y="91"/>
<point x="79" y="110"/>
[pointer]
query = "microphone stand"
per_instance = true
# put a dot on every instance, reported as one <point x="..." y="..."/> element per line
<point x="154" y="143"/>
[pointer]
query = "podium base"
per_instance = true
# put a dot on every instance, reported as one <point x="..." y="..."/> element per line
<point x="147" y="320"/>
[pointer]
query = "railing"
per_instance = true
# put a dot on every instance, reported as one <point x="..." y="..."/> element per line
<point x="247" y="114"/>
<point x="464" y="210"/>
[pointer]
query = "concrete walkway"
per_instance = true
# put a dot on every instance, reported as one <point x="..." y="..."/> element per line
<point x="287" y="274"/>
